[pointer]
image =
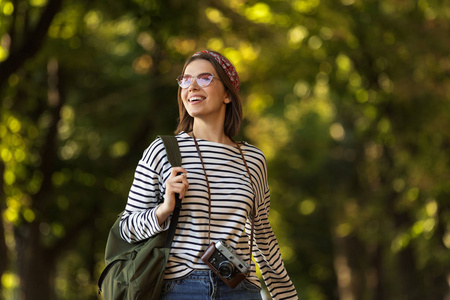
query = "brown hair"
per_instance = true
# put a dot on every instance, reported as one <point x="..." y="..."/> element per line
<point x="233" y="112"/>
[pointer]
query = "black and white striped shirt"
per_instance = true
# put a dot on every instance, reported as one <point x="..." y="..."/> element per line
<point x="231" y="204"/>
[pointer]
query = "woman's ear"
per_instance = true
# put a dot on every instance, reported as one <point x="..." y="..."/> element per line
<point x="227" y="98"/>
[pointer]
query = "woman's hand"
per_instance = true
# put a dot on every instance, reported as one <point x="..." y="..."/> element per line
<point x="176" y="184"/>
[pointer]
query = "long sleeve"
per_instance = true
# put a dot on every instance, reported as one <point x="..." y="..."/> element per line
<point x="139" y="220"/>
<point x="266" y="250"/>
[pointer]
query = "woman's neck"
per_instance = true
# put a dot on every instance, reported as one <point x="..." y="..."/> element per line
<point x="211" y="133"/>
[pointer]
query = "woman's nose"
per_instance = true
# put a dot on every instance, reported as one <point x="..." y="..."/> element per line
<point x="194" y="84"/>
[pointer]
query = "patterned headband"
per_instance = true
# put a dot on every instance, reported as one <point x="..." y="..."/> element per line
<point x="226" y="65"/>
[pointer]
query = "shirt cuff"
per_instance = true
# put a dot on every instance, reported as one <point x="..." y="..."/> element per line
<point x="154" y="220"/>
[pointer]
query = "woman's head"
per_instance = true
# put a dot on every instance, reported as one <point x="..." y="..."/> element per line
<point x="228" y="76"/>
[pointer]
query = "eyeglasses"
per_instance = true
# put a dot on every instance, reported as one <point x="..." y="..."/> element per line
<point x="203" y="79"/>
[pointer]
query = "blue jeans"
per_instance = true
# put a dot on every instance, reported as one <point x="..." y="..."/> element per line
<point x="205" y="285"/>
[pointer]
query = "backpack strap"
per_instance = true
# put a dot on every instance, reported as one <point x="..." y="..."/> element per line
<point x="174" y="157"/>
<point x="172" y="150"/>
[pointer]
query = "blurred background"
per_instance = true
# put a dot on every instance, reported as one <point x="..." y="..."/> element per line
<point x="349" y="100"/>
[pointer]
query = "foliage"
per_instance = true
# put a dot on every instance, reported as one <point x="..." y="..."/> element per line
<point x="349" y="100"/>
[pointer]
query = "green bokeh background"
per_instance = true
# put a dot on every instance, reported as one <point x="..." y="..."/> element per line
<point x="349" y="100"/>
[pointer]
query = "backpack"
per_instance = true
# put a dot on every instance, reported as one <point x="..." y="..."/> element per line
<point x="136" y="271"/>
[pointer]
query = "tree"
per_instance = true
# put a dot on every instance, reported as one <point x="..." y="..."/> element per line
<point x="348" y="100"/>
<point x="352" y="143"/>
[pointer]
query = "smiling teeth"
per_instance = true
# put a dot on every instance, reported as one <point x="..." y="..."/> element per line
<point x="195" y="99"/>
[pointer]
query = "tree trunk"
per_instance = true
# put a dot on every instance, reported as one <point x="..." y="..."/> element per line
<point x="3" y="248"/>
<point x="34" y="267"/>
<point x="3" y="251"/>
<point x="349" y="271"/>
<point x="35" y="264"/>
<point x="411" y="286"/>
<point x="410" y="282"/>
<point x="378" y="288"/>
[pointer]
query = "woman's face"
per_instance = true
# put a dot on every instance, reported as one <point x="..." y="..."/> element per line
<point x="204" y="102"/>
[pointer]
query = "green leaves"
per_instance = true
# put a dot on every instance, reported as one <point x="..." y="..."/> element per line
<point x="347" y="99"/>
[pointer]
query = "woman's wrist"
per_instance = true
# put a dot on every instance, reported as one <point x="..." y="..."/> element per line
<point x="162" y="213"/>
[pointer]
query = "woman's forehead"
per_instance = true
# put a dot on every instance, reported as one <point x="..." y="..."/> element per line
<point x="199" y="66"/>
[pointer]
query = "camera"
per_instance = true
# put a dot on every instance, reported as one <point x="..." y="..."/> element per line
<point x="225" y="263"/>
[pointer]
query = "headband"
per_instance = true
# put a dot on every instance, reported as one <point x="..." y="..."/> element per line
<point x="226" y="65"/>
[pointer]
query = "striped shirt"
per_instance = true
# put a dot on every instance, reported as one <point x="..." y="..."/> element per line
<point x="231" y="206"/>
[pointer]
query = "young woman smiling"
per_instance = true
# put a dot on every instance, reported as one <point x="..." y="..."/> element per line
<point x="224" y="191"/>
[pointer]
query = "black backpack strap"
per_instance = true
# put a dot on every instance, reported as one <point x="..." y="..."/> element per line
<point x="174" y="157"/>
<point x="172" y="149"/>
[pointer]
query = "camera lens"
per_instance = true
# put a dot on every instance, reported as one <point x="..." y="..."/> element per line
<point x="226" y="269"/>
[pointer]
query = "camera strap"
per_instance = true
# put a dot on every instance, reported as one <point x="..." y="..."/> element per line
<point x="254" y="203"/>
<point x="209" y="194"/>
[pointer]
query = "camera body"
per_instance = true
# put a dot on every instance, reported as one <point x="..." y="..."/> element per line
<point x="225" y="263"/>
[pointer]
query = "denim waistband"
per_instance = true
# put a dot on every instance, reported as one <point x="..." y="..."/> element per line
<point x="200" y="274"/>
<point x="207" y="285"/>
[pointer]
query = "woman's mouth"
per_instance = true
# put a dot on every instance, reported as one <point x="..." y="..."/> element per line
<point x="196" y="99"/>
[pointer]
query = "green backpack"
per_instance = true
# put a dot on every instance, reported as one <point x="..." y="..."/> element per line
<point x="136" y="271"/>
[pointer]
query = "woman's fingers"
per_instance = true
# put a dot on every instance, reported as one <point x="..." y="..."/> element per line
<point x="183" y="185"/>
<point x="177" y="182"/>
<point x="177" y="170"/>
<point x="180" y="189"/>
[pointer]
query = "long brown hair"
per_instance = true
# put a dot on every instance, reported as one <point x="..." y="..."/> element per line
<point x="233" y="112"/>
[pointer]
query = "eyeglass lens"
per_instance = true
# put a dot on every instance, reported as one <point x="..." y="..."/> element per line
<point x="203" y="80"/>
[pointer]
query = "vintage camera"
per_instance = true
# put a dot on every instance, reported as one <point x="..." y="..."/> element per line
<point x="225" y="263"/>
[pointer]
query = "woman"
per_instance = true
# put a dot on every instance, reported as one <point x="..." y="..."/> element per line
<point x="217" y="194"/>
